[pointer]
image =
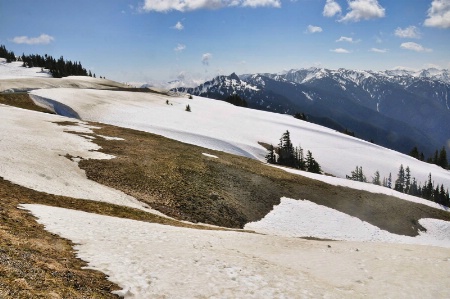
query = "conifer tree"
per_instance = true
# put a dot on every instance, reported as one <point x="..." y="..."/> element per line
<point x="442" y="160"/>
<point x="311" y="164"/>
<point x="414" y="153"/>
<point x="270" y="157"/>
<point x="400" y="182"/>
<point x="286" y="150"/>
<point x="407" y="180"/>
<point x="376" y="178"/>
<point x="389" y="182"/>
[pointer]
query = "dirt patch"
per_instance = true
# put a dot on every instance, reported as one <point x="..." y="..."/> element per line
<point x="178" y="180"/>
<point x="37" y="264"/>
<point x="21" y="100"/>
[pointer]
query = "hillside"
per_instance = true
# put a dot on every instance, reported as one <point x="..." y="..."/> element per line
<point x="389" y="108"/>
<point x="109" y="180"/>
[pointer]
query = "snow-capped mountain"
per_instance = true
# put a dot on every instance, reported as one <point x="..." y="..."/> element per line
<point x="398" y="109"/>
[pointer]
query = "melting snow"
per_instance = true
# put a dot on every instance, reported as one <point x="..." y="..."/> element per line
<point x="157" y="261"/>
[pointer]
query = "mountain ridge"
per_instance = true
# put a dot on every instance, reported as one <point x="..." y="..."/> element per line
<point x="398" y="109"/>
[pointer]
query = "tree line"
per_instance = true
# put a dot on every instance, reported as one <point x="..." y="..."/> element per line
<point x="57" y="68"/>
<point x="439" y="158"/>
<point x="288" y="155"/>
<point x="407" y="184"/>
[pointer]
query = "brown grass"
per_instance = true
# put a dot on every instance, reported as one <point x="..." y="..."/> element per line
<point x="21" y="100"/>
<point x="176" y="179"/>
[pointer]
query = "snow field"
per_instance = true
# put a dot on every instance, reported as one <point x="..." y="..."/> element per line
<point x="157" y="261"/>
<point x="33" y="151"/>
<point x="14" y="70"/>
<point x="303" y="218"/>
<point x="220" y="126"/>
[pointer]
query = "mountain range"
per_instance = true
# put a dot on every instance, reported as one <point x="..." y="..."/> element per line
<point x="398" y="109"/>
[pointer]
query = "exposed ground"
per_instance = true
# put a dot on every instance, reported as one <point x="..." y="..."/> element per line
<point x="176" y="179"/>
<point x="37" y="264"/>
<point x="20" y="100"/>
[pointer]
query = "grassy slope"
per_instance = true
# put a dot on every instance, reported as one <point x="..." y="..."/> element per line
<point x="176" y="179"/>
<point x="21" y="100"/>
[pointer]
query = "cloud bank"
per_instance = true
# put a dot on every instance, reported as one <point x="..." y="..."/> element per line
<point x="43" y="39"/>
<point x="206" y="58"/>
<point x="331" y="9"/>
<point x="439" y="14"/>
<point x="414" y="47"/>
<point x="408" y="32"/>
<point x="313" y="29"/>
<point x="340" y="51"/>
<point x="363" y="10"/>
<point x="178" y="26"/>
<point x="190" y="5"/>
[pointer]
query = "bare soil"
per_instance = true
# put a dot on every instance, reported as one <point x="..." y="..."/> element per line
<point x="21" y="100"/>
<point x="176" y="179"/>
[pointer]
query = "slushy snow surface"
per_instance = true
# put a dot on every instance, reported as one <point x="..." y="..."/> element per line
<point x="221" y="126"/>
<point x="14" y="70"/>
<point x="303" y="218"/>
<point x="157" y="261"/>
<point x="33" y="151"/>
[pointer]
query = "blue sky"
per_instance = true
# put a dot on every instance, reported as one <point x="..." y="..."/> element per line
<point x="155" y="40"/>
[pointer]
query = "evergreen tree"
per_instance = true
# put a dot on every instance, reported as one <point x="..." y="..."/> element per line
<point x="407" y="180"/>
<point x="421" y="157"/>
<point x="442" y="199"/>
<point x="400" y="182"/>
<point x="270" y="157"/>
<point x="413" y="189"/>
<point x="436" y="157"/>
<point x="442" y="160"/>
<point x="376" y="178"/>
<point x="357" y="175"/>
<point x="286" y="150"/>
<point x="414" y="153"/>
<point x="311" y="164"/>
<point x="427" y="190"/>
<point x="389" y="182"/>
<point x="236" y="100"/>
<point x="301" y="116"/>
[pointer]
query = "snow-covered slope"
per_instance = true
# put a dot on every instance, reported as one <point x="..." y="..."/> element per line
<point x="221" y="126"/>
<point x="14" y="77"/>
<point x="33" y="149"/>
<point x="14" y="70"/>
<point x="157" y="261"/>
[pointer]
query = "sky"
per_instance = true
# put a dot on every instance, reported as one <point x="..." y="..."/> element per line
<point x="195" y="40"/>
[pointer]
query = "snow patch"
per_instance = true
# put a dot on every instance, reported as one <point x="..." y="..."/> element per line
<point x="210" y="156"/>
<point x="303" y="218"/>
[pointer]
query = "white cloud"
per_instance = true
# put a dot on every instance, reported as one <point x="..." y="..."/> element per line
<point x="42" y="39"/>
<point x="179" y="48"/>
<point x="206" y="58"/>
<point x="439" y="14"/>
<point x="340" y="51"/>
<point x="314" y="29"/>
<point x="363" y="10"/>
<point x="347" y="39"/>
<point x="189" y="5"/>
<point x="258" y="3"/>
<point x="414" y="47"/>
<point x="178" y="26"/>
<point x="408" y="32"/>
<point x="331" y="8"/>
<point x="376" y="50"/>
